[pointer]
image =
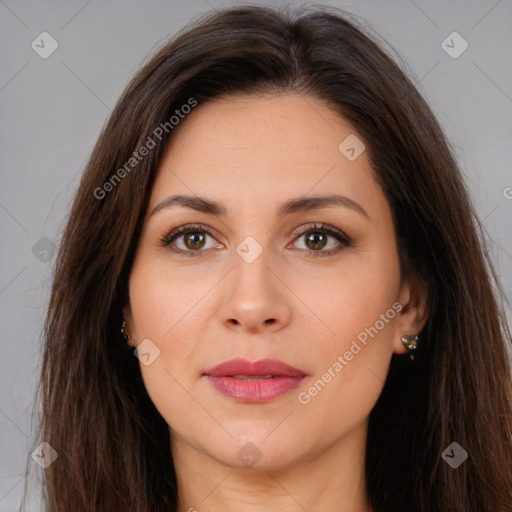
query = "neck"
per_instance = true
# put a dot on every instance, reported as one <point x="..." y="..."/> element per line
<point x="333" y="479"/>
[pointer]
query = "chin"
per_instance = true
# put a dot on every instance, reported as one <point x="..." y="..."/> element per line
<point x="257" y="452"/>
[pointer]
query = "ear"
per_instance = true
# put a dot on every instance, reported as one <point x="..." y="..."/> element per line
<point x="411" y="319"/>
<point x="128" y="326"/>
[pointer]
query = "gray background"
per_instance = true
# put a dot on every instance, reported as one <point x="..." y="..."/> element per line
<point x="53" y="109"/>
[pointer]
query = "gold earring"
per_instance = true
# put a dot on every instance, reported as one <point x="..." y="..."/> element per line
<point x="411" y="342"/>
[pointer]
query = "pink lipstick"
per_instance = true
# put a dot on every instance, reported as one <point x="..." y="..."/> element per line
<point x="256" y="382"/>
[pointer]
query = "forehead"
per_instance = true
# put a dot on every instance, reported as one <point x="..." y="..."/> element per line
<point x="278" y="123"/>
<point x="256" y="150"/>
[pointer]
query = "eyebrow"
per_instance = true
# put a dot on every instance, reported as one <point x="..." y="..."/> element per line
<point x="289" y="207"/>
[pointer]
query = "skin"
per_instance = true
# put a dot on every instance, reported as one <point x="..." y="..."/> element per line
<point x="252" y="153"/>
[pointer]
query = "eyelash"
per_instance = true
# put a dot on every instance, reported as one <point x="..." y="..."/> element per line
<point x="341" y="237"/>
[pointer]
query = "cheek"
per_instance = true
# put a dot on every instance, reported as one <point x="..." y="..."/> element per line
<point x="354" y="296"/>
<point x="353" y="359"/>
<point x="160" y="300"/>
<point x="362" y="323"/>
<point x="167" y="318"/>
<point x="352" y="370"/>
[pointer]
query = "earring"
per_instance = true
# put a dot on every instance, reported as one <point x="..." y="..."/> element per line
<point x="125" y="336"/>
<point x="411" y="342"/>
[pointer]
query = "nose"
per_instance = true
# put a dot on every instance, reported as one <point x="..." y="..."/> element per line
<point x="255" y="297"/>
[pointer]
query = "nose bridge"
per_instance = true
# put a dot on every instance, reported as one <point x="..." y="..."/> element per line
<point x="256" y="256"/>
<point x="252" y="274"/>
<point x="254" y="296"/>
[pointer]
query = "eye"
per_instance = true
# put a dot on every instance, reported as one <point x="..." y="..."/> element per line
<point x="316" y="239"/>
<point x="192" y="236"/>
<point x="193" y="240"/>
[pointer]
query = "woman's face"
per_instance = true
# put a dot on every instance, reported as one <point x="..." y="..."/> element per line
<point x="263" y="274"/>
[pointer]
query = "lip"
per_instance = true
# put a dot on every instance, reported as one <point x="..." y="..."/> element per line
<point x="254" y="382"/>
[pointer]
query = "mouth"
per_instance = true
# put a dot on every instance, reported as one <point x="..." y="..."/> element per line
<point x="254" y="382"/>
<point x="247" y="377"/>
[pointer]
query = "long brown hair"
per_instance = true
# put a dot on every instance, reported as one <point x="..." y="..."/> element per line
<point x="112" y="444"/>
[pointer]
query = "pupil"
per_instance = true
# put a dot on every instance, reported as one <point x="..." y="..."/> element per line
<point x="193" y="245"/>
<point x="314" y="239"/>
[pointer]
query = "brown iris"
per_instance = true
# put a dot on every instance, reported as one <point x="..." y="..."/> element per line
<point x="194" y="240"/>
<point x="315" y="238"/>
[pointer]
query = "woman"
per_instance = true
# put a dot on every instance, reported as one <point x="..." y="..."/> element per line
<point x="274" y="221"/>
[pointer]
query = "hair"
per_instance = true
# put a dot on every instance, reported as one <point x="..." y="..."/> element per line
<point x="113" y="445"/>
